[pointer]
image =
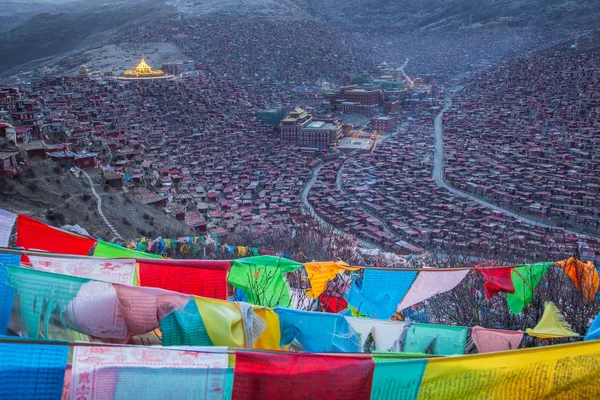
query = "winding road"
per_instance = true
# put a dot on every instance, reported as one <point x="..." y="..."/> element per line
<point x="438" y="175"/>
<point x="308" y="207"/>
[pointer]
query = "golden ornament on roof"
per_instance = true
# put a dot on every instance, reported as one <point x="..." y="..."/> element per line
<point x="143" y="69"/>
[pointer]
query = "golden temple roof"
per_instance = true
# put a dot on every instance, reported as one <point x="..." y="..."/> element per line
<point x="143" y="69"/>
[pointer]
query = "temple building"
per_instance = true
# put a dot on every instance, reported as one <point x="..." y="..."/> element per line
<point x="304" y="130"/>
<point x="144" y="71"/>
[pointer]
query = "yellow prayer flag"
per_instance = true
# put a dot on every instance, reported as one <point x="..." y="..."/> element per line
<point x="559" y="372"/>
<point x="319" y="273"/>
<point x="223" y="321"/>
<point x="271" y="337"/>
<point x="551" y="325"/>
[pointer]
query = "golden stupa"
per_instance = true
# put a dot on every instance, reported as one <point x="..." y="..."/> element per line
<point x="143" y="70"/>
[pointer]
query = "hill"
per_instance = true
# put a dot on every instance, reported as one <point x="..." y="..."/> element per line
<point x="47" y="192"/>
<point x="47" y="35"/>
<point x="446" y="14"/>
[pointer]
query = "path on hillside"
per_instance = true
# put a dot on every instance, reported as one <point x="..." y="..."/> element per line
<point x="99" y="204"/>
<point x="438" y="175"/>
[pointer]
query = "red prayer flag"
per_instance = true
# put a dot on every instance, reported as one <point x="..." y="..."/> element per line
<point x="196" y="277"/>
<point x="333" y="304"/>
<point x="496" y="280"/>
<point x="301" y="376"/>
<point x="35" y="235"/>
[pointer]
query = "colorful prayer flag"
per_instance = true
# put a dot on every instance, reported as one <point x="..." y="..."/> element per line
<point x="491" y="340"/>
<point x="551" y="325"/>
<point x="429" y="284"/>
<point x="377" y="295"/>
<point x="301" y="376"/>
<point x="525" y="279"/>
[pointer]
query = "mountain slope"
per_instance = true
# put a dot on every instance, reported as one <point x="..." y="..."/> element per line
<point x="436" y="14"/>
<point x="47" y="35"/>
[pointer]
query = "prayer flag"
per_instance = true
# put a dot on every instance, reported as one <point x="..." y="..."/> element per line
<point x="525" y="279"/>
<point x="319" y="273"/>
<point x="551" y="325"/>
<point x="132" y="373"/>
<point x="440" y="340"/>
<point x="7" y="220"/>
<point x="490" y="340"/>
<point x="397" y="379"/>
<point x="429" y="284"/>
<point x="32" y="371"/>
<point x="35" y="235"/>
<point x="317" y="332"/>
<point x="583" y="274"/>
<point x="594" y="329"/>
<point x="262" y="279"/>
<point x="379" y="293"/>
<point x="40" y="294"/>
<point x="550" y="372"/>
<point x="496" y="280"/>
<point x="301" y="376"/>
<point x="110" y="250"/>
<point x="195" y="277"/>
<point x="114" y="271"/>
<point x="184" y="327"/>
<point x="223" y="321"/>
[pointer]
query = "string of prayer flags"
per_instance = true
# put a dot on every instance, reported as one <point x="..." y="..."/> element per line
<point x="440" y="340"/>
<point x="378" y="293"/>
<point x="429" y="284"/>
<point x="262" y="279"/>
<point x="35" y="235"/>
<point x="583" y="274"/>
<point x="195" y="277"/>
<point x="7" y="221"/>
<point x="317" y="332"/>
<point x="496" y="280"/>
<point x="132" y="373"/>
<point x="525" y="279"/>
<point x="551" y="325"/>
<point x="110" y="250"/>
<point x="550" y="372"/>
<point x="320" y="273"/>
<point x="32" y="371"/>
<point x="397" y="380"/>
<point x="491" y="340"/>
<point x="301" y="376"/>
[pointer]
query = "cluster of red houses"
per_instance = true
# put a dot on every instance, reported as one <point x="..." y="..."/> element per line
<point x="526" y="135"/>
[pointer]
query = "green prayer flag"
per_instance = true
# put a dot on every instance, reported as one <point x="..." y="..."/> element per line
<point x="110" y="250"/>
<point x="441" y="340"/>
<point x="42" y="294"/>
<point x="396" y="379"/>
<point x="262" y="279"/>
<point x="184" y="327"/>
<point x="525" y="279"/>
